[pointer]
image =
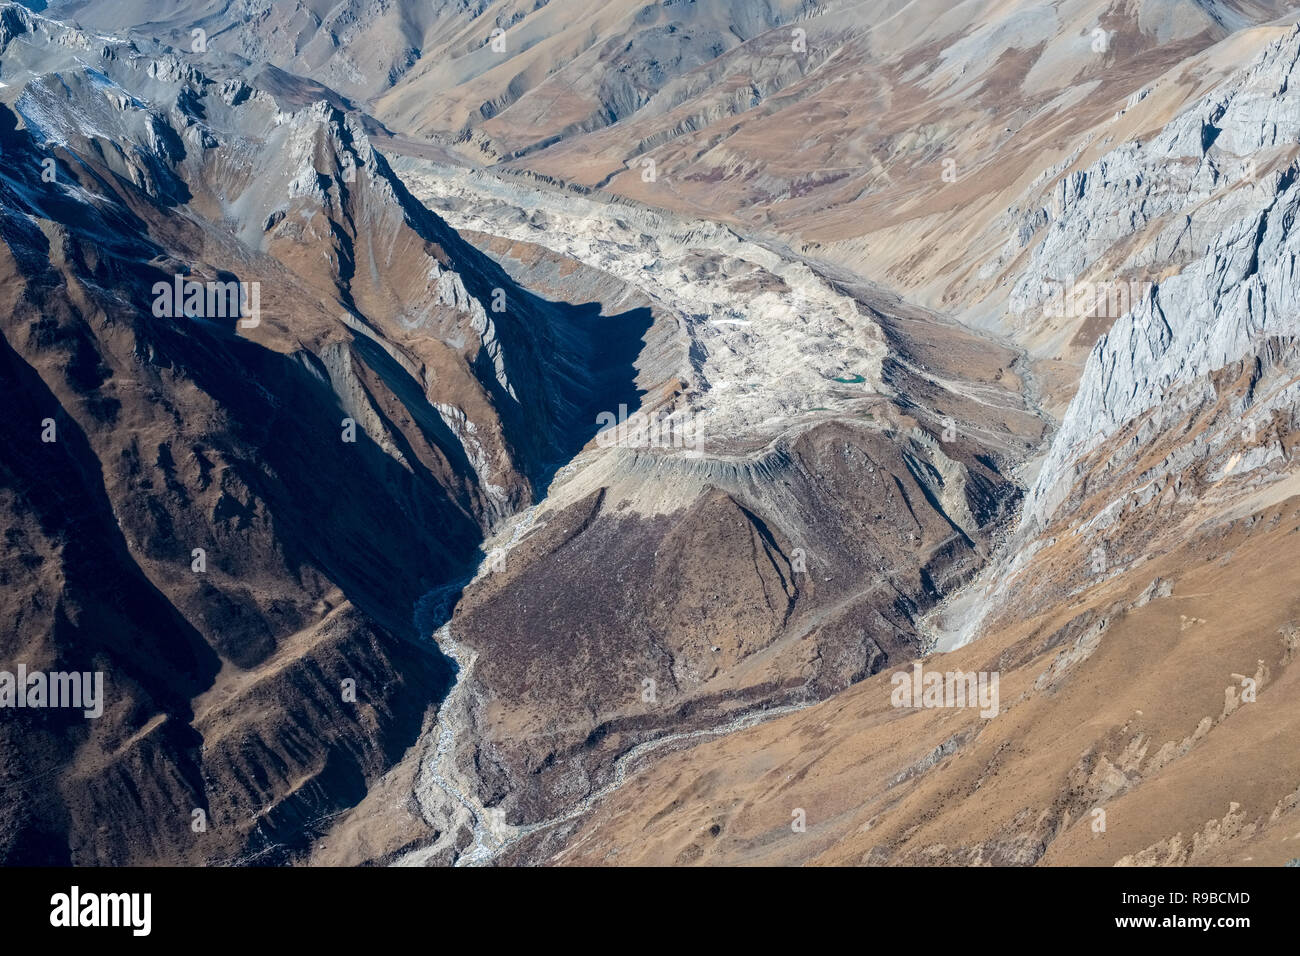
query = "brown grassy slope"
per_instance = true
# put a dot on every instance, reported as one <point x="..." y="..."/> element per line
<point x="1121" y="691"/>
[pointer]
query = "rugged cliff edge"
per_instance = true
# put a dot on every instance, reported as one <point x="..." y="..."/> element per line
<point x="261" y="401"/>
<point x="1142" y="616"/>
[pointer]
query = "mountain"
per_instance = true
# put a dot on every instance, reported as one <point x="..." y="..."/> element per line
<point x="1142" y="615"/>
<point x="562" y="445"/>
<point x="211" y="521"/>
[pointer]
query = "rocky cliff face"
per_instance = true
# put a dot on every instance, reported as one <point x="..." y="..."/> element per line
<point x="262" y="403"/>
<point x="1233" y="249"/>
<point x="846" y="468"/>
<point x="650" y="644"/>
<point x="1142" y="615"/>
<point x="1216" y="197"/>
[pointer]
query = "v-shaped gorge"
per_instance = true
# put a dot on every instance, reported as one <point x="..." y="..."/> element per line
<point x="583" y="508"/>
<point x="848" y="466"/>
<point x="260" y="402"/>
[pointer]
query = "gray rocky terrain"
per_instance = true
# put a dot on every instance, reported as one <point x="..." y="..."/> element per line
<point x="615" y="398"/>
